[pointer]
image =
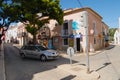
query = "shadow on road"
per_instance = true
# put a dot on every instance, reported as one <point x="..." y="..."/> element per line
<point x="70" y="77"/>
<point x="104" y="65"/>
<point x="110" y="47"/>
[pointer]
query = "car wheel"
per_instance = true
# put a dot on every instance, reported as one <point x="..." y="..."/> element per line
<point x="22" y="55"/>
<point x="43" y="58"/>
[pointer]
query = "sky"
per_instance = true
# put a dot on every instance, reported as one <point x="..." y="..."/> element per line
<point x="108" y="9"/>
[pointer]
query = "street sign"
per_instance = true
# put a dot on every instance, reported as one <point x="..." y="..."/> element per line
<point x="70" y="52"/>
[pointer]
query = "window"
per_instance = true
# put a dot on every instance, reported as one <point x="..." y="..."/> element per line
<point x="55" y="40"/>
<point x="31" y="48"/>
<point x="94" y="40"/>
<point x="65" y="26"/>
<point x="65" y="41"/>
<point x="94" y="28"/>
<point x="25" y="47"/>
<point x="65" y="29"/>
<point x="42" y="48"/>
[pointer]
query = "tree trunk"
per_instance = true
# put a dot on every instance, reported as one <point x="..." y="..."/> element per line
<point x="34" y="39"/>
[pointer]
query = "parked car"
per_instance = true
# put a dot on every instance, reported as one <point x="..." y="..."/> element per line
<point x="37" y="51"/>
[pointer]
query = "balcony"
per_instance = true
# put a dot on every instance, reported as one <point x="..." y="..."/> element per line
<point x="65" y="32"/>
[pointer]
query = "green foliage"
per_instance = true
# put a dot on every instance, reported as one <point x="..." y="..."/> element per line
<point x="8" y="13"/>
<point x="31" y="29"/>
<point x="27" y="10"/>
<point x="111" y="33"/>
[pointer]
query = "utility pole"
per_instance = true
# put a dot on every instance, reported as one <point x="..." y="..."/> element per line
<point x="85" y="25"/>
<point x="86" y="34"/>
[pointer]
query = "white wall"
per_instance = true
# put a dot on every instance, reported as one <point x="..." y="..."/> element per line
<point x="11" y="32"/>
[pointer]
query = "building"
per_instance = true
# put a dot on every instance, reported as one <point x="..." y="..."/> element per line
<point x="11" y="34"/>
<point x="18" y="34"/>
<point x="23" y="36"/>
<point x="78" y="23"/>
<point x="117" y="35"/>
<point x="66" y="35"/>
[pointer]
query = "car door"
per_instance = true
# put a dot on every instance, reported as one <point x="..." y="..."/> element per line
<point x="25" y="50"/>
<point x="33" y="52"/>
<point x="38" y="52"/>
<point x="28" y="51"/>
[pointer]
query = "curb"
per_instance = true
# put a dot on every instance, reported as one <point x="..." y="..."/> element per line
<point x="3" y="62"/>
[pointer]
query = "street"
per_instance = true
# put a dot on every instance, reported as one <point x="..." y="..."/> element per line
<point x="105" y="63"/>
<point x="32" y="69"/>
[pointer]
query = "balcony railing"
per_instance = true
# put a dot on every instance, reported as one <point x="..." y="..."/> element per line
<point x="65" y="33"/>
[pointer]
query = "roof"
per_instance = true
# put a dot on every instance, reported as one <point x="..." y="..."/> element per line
<point x="75" y="10"/>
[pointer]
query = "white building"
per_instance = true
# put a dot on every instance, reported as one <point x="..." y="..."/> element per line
<point x="19" y="33"/>
<point x="23" y="36"/>
<point x="11" y="33"/>
<point x="117" y="35"/>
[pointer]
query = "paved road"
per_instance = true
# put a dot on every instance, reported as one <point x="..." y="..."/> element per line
<point x="31" y="69"/>
<point x="106" y="63"/>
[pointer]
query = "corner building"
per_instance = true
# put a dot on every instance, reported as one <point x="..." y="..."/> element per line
<point x="73" y="31"/>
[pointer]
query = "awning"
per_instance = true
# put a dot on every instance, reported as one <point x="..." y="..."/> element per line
<point x="75" y="36"/>
<point x="65" y="36"/>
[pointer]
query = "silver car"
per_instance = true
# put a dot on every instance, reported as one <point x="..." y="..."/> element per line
<point x="37" y="51"/>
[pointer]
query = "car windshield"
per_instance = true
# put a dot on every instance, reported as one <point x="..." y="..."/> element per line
<point x="42" y="48"/>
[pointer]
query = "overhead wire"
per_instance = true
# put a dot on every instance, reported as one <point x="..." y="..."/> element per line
<point x="80" y="3"/>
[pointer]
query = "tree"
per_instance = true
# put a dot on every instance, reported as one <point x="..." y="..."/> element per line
<point x="35" y="12"/>
<point x="111" y="33"/>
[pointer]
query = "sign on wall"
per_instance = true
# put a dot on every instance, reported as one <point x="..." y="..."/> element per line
<point x="75" y="25"/>
<point x="71" y="42"/>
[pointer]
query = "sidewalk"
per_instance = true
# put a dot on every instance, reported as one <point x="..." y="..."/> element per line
<point x="64" y="53"/>
<point x="80" y="72"/>
<point x="2" y="66"/>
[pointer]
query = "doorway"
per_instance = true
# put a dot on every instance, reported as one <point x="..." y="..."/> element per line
<point x="78" y="44"/>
